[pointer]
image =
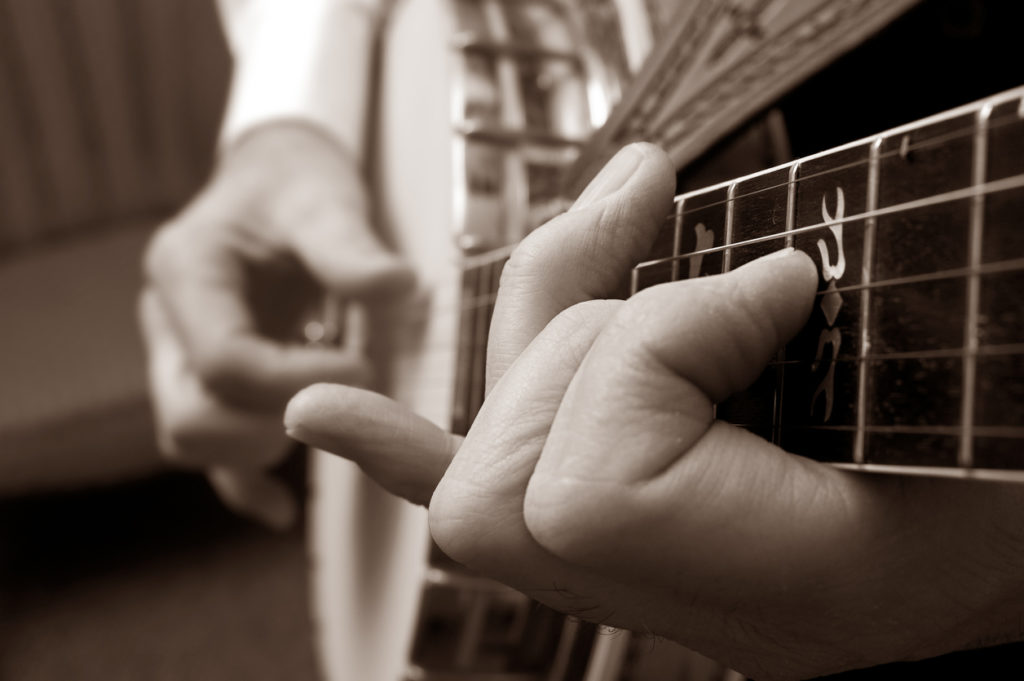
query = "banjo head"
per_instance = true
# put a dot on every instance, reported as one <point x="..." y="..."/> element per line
<point x="483" y="106"/>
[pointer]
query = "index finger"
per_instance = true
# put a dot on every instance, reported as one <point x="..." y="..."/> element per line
<point x="583" y="254"/>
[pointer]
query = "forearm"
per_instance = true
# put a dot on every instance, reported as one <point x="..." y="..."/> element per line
<point x="307" y="61"/>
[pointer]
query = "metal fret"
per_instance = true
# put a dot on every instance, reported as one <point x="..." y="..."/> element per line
<point x="780" y="381"/>
<point x="677" y="238"/>
<point x="991" y="187"/>
<point x="996" y="474"/>
<point x="730" y="211"/>
<point x="794" y="170"/>
<point x="1009" y="95"/>
<point x="867" y="260"/>
<point x="965" y="457"/>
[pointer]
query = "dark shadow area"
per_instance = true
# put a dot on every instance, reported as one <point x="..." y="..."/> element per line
<point x="153" y="580"/>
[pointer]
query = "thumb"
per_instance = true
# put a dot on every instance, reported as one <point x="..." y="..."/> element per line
<point x="338" y="246"/>
<point x="255" y="494"/>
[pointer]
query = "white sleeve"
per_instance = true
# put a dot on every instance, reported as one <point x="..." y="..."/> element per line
<point x="306" y="60"/>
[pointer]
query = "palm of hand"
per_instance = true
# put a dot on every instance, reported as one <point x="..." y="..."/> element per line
<point x="282" y="220"/>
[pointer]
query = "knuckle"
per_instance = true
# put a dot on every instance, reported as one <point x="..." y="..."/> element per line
<point x="565" y="515"/>
<point x="180" y="441"/>
<point x="526" y="262"/>
<point x="586" y="312"/>
<point x="632" y="323"/>
<point x="162" y="256"/>
<point x="218" y="368"/>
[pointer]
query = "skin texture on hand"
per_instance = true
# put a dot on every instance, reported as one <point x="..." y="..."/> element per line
<point x="283" y="220"/>
<point x="596" y="480"/>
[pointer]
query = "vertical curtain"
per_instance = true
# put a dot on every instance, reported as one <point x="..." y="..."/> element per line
<point x="108" y="111"/>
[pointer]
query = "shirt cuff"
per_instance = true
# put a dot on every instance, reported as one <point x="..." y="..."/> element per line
<point x="308" y="62"/>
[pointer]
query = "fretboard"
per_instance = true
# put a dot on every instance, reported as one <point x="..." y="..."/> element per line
<point x="913" y="359"/>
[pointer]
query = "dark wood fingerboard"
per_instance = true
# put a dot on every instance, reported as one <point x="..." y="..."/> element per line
<point x="913" y="359"/>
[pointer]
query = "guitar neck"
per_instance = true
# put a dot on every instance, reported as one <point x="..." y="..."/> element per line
<point x="913" y="359"/>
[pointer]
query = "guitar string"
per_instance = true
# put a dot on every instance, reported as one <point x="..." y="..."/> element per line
<point x="961" y="133"/>
<point x="1004" y="184"/>
<point x="477" y="357"/>
<point x="1004" y="432"/>
<point x="1007" y="184"/>
<point x="480" y="303"/>
<point x="493" y="258"/>
<point x="482" y="259"/>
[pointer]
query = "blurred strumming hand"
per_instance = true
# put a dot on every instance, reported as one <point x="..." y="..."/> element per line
<point x="282" y="222"/>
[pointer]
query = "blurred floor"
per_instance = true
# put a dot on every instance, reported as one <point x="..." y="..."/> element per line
<point x="152" y="580"/>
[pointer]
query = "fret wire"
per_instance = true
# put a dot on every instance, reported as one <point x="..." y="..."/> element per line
<point x="1015" y="265"/>
<point x="867" y="268"/>
<point x="1006" y="350"/>
<point x="965" y="456"/>
<point x="730" y="208"/>
<point x="677" y="239"/>
<point x="1013" y="432"/>
<point x="1002" y="350"/>
<point x="780" y="377"/>
<point x="791" y="202"/>
<point x="942" y="353"/>
<point x="994" y="474"/>
<point x="1004" y="184"/>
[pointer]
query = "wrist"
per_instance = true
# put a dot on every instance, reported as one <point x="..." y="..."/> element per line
<point x="311" y="65"/>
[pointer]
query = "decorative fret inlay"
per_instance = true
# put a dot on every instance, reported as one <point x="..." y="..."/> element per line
<point x="913" y="358"/>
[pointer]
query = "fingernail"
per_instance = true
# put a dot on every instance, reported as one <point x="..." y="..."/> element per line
<point x="611" y="178"/>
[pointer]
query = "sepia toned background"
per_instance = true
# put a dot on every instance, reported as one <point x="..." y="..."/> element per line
<point x="113" y="566"/>
<point x="109" y="112"/>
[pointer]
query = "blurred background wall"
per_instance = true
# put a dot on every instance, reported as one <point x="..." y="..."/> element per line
<point x="109" y="112"/>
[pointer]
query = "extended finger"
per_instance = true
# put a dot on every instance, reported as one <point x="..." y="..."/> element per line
<point x="583" y="254"/>
<point x="400" y="450"/>
<point x="200" y="277"/>
<point x="476" y="511"/>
